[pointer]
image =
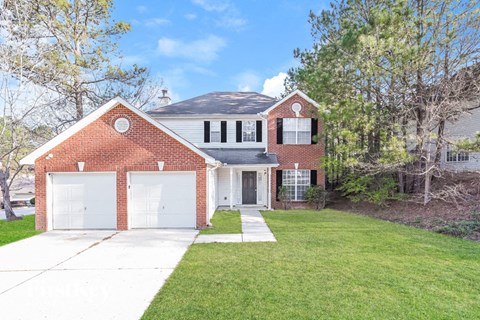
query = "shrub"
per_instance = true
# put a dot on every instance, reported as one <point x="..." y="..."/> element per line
<point x="375" y="189"/>
<point x="316" y="196"/>
<point x="461" y="229"/>
<point x="284" y="197"/>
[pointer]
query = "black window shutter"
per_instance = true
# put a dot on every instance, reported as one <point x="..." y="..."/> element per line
<point x="279" y="131"/>
<point x="223" y="131"/>
<point x="259" y="131"/>
<point x="279" y="182"/>
<point x="314" y="131"/>
<point x="206" y="131"/>
<point x="239" y="131"/>
<point x="313" y="177"/>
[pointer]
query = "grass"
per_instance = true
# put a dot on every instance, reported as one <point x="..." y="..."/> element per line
<point x="17" y="230"/>
<point x="327" y="265"/>
<point x="224" y="221"/>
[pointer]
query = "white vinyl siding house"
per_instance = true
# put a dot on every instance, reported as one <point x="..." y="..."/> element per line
<point x="465" y="127"/>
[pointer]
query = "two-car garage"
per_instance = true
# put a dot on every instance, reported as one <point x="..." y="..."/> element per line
<point x="88" y="200"/>
<point x="118" y="168"/>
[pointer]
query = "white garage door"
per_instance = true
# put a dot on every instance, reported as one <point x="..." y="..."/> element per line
<point x="84" y="200"/>
<point x="162" y="200"/>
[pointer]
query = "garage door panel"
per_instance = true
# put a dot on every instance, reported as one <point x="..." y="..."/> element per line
<point x="163" y="200"/>
<point x="84" y="201"/>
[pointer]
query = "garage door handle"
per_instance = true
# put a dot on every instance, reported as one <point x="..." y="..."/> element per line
<point x="85" y="208"/>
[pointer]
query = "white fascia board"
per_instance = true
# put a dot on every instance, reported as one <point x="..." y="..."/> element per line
<point x="30" y="158"/>
<point x="296" y="92"/>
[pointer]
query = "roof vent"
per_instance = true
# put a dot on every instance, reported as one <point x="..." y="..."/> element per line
<point x="165" y="99"/>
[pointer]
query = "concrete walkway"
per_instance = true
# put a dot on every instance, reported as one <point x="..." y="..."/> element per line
<point x="254" y="229"/>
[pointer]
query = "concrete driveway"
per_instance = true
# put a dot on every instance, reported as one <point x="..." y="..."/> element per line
<point x="87" y="274"/>
<point x="19" y="211"/>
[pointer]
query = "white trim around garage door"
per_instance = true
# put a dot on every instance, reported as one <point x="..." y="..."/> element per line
<point x="130" y="208"/>
<point x="49" y="191"/>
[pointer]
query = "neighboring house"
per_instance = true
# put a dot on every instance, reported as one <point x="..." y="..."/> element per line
<point x="466" y="127"/>
<point x="120" y="168"/>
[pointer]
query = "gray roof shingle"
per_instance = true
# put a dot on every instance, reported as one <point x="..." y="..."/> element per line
<point x="242" y="156"/>
<point x="219" y="103"/>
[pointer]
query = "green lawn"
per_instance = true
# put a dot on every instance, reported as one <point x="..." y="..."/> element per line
<point x="327" y="265"/>
<point x="223" y="222"/>
<point x="17" y="230"/>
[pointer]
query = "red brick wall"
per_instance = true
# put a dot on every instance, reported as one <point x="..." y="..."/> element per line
<point x="307" y="156"/>
<point x="103" y="149"/>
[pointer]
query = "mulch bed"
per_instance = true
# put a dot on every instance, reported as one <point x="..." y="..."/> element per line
<point x="412" y="213"/>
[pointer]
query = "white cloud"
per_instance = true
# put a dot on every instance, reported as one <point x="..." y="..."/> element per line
<point x="228" y="14"/>
<point x="190" y="16"/>
<point x="141" y="9"/>
<point x="212" y="5"/>
<point x="273" y="86"/>
<point x="247" y="81"/>
<point x="201" y="50"/>
<point x="231" y="22"/>
<point x="155" y="22"/>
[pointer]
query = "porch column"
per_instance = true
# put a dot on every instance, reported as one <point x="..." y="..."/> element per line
<point x="269" y="188"/>
<point x="231" y="188"/>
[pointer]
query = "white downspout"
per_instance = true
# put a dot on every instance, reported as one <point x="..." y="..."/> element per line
<point x="231" y="188"/>
<point x="269" y="192"/>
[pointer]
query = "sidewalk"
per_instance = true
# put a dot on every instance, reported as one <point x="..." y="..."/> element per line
<point x="254" y="229"/>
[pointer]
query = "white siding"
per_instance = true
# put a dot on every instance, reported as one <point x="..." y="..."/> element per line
<point x="192" y="131"/>
<point x="224" y="187"/>
<point x="465" y="127"/>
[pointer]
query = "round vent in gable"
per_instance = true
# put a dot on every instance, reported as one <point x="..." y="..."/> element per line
<point x="296" y="107"/>
<point x="122" y="125"/>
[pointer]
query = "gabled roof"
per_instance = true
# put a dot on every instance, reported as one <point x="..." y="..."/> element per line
<point x="30" y="159"/>
<point x="219" y="103"/>
<point x="300" y="93"/>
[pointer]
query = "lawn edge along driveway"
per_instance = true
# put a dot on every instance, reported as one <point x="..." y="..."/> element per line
<point x="11" y="231"/>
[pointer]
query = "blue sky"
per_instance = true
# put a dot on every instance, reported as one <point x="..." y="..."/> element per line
<point x="200" y="46"/>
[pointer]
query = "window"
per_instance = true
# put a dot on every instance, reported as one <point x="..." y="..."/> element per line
<point x="249" y="131"/>
<point x="297" y="131"/>
<point x="296" y="182"/>
<point x="454" y="156"/>
<point x="215" y="131"/>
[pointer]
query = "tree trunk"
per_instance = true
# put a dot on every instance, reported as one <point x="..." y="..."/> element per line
<point x="9" y="214"/>
<point x="401" y="181"/>
<point x="79" y="105"/>
<point x="439" y="145"/>
<point x="426" y="193"/>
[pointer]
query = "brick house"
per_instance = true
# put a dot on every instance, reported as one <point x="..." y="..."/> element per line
<point x="121" y="168"/>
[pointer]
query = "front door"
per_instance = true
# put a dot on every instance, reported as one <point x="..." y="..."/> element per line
<point x="249" y="187"/>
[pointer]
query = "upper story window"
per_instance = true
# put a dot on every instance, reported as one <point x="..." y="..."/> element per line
<point x="457" y="156"/>
<point x="249" y="131"/>
<point x="297" y="131"/>
<point x="215" y="131"/>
